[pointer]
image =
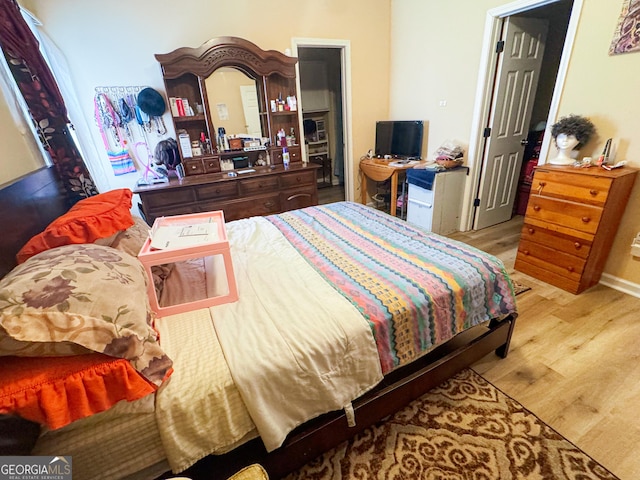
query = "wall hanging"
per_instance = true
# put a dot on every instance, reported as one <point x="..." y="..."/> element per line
<point x="129" y="119"/>
<point x="626" y="38"/>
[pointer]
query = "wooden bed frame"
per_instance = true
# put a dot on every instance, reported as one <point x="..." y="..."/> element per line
<point x="29" y="204"/>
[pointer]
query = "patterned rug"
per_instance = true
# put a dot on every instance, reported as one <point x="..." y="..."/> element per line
<point x="519" y="287"/>
<point x="465" y="429"/>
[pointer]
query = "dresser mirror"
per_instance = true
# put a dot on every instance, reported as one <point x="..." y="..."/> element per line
<point x="234" y="102"/>
<point x="232" y="84"/>
<point x="241" y="179"/>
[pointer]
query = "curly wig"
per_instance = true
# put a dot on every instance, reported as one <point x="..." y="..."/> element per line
<point x="576" y="125"/>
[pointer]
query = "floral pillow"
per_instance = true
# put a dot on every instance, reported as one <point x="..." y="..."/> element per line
<point x="131" y="240"/>
<point x="77" y="299"/>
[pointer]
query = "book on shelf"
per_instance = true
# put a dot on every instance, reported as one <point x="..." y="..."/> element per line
<point x="173" y="106"/>
<point x="180" y="107"/>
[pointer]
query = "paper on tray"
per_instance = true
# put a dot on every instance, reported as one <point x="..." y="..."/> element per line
<point x="181" y="236"/>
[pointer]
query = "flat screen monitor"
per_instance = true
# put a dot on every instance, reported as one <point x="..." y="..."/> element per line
<point x="399" y="138"/>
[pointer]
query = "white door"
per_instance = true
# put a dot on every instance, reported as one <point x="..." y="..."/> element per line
<point x="251" y="111"/>
<point x="515" y="89"/>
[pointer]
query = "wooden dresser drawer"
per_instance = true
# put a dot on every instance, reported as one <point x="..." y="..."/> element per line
<point x="258" y="185"/>
<point x="211" y="165"/>
<point x="551" y="260"/>
<point x="578" y="188"/>
<point x="158" y="199"/>
<point x="256" y="206"/>
<point x="168" y="211"/>
<point x="298" y="178"/>
<point x="568" y="284"/>
<point x="295" y="154"/>
<point x="217" y="191"/>
<point x="298" y="198"/>
<point x="568" y="214"/>
<point x="563" y="243"/>
<point x="193" y="167"/>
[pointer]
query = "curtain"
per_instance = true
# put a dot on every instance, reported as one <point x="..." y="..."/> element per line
<point x="80" y="128"/>
<point x="44" y="101"/>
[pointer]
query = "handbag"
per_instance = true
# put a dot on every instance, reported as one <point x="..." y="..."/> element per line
<point x="120" y="160"/>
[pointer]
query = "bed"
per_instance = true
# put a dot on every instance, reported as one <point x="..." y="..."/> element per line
<point x="345" y="315"/>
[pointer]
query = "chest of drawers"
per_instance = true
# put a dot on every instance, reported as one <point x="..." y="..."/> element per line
<point x="570" y="223"/>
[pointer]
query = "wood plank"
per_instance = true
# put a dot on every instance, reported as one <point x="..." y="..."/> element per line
<point x="574" y="363"/>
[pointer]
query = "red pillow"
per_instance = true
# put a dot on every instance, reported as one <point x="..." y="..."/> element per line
<point x="88" y="220"/>
<point x="55" y="391"/>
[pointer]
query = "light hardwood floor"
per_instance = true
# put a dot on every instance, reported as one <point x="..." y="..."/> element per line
<point x="574" y="359"/>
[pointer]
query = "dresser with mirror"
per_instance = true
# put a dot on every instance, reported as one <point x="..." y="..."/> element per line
<point x="234" y="109"/>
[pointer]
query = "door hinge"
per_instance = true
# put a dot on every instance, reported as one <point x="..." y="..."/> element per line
<point x="476" y="202"/>
<point x="500" y="46"/>
<point x="487" y="132"/>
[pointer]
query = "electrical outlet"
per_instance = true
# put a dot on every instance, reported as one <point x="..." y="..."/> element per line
<point x="442" y="103"/>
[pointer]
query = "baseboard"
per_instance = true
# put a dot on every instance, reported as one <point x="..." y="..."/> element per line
<point x="620" y="284"/>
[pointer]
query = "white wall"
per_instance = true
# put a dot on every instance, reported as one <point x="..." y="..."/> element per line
<point x="19" y="154"/>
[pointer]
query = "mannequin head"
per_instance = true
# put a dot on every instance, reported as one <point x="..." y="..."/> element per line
<point x="570" y="133"/>
<point x="566" y="142"/>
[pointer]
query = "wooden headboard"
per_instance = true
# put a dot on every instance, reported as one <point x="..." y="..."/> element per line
<point x="27" y="206"/>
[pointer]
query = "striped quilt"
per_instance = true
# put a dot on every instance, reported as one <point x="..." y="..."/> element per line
<point x="416" y="289"/>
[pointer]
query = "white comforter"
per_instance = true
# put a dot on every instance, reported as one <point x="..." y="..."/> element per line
<point x="289" y="350"/>
<point x="295" y="347"/>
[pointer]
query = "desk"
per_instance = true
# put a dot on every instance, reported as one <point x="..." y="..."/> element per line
<point x="380" y="170"/>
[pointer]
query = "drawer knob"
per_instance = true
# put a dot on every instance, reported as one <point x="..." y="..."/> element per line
<point x="570" y="269"/>
<point x="526" y="252"/>
<point x="536" y="208"/>
<point x="541" y="185"/>
<point x="531" y="231"/>
<point x="269" y="204"/>
<point x="578" y="245"/>
<point x="593" y="192"/>
<point x="586" y="219"/>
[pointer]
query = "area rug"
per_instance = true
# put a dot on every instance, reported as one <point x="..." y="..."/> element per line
<point x="520" y="287"/>
<point x="465" y="429"/>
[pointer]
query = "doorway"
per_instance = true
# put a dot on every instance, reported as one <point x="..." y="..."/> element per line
<point x="562" y="17"/>
<point x="323" y="89"/>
